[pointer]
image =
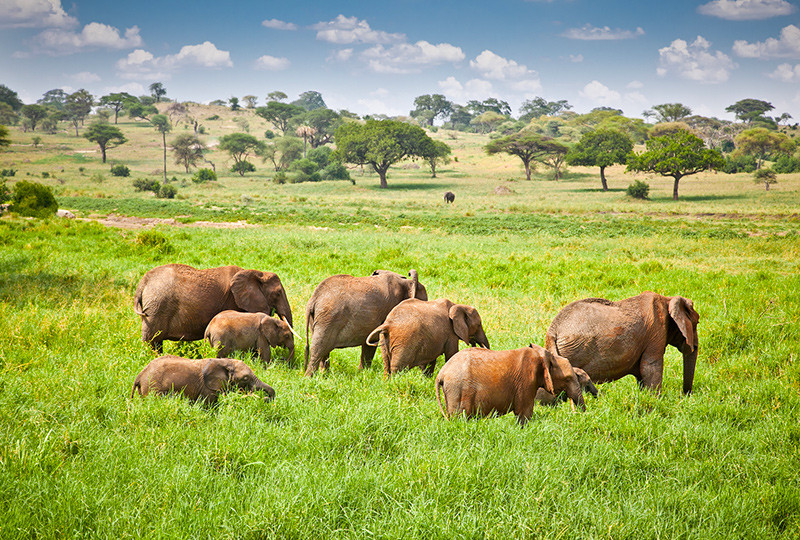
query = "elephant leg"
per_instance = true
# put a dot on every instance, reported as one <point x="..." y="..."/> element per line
<point x="652" y="372"/>
<point x="224" y="351"/>
<point x="386" y="353"/>
<point x="367" y="353"/>
<point x="264" y="350"/>
<point x="153" y="338"/>
<point x="317" y="359"/>
<point x="429" y="368"/>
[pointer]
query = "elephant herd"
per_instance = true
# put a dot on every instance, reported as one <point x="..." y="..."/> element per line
<point x="590" y="340"/>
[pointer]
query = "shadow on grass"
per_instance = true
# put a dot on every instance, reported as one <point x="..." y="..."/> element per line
<point x="20" y="289"/>
<point x="703" y="198"/>
<point x="407" y="186"/>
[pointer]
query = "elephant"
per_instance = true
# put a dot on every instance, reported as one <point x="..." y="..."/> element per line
<point x="612" y="339"/>
<point x="543" y="397"/>
<point x="481" y="382"/>
<point x="198" y="379"/>
<point x="176" y="302"/>
<point x="343" y="310"/>
<point x="232" y="331"/>
<point x="416" y="332"/>
<point x="449" y="197"/>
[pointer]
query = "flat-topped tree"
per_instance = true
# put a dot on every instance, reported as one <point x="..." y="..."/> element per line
<point x="280" y="114"/>
<point x="601" y="148"/>
<point x="105" y="135"/>
<point x="380" y="143"/>
<point x="677" y="155"/>
<point x="526" y="145"/>
<point x="116" y="102"/>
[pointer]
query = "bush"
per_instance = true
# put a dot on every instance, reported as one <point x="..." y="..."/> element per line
<point x="120" y="170"/>
<point x="639" y="190"/>
<point x="8" y="172"/>
<point x="143" y="184"/>
<point x="243" y="167"/>
<point x="5" y="193"/>
<point x="213" y="117"/>
<point x="739" y="163"/>
<point x="204" y="175"/>
<point x="45" y="175"/>
<point x="336" y="171"/>
<point x="167" y="192"/>
<point x="302" y="176"/>
<point x="269" y="134"/>
<point x="33" y="199"/>
<point x="304" y="165"/>
<point x="786" y="164"/>
<point x="155" y="241"/>
<point x="321" y="156"/>
<point x="97" y="178"/>
<point x="279" y="178"/>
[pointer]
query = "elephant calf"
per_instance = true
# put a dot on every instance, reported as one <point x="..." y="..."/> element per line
<point x="543" y="397"/>
<point x="197" y="379"/>
<point x="417" y="332"/>
<point x="480" y="382"/>
<point x="237" y="331"/>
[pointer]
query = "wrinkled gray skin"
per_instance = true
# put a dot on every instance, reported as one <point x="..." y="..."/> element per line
<point x="343" y="310"/>
<point x="416" y="333"/>
<point x="543" y="397"/>
<point x="232" y="331"/>
<point x="609" y="340"/>
<point x="480" y="382"/>
<point x="198" y="379"/>
<point x="176" y="302"/>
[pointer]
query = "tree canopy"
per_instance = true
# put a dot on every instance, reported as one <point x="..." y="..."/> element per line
<point x="435" y="105"/>
<point x="5" y="140"/>
<point x="280" y="114"/>
<point x="310" y="100"/>
<point x="116" y="102"/>
<point x="157" y="90"/>
<point x="601" y="148"/>
<point x="379" y="143"/>
<point x="188" y="150"/>
<point x="671" y="112"/>
<point x="435" y="152"/>
<point x="750" y="110"/>
<point x="677" y="155"/>
<point x="528" y="147"/>
<point x="538" y="106"/>
<point x="105" y="135"/>
<point x="34" y="113"/>
<point x="239" y="145"/>
<point x="761" y="142"/>
<point x="7" y="95"/>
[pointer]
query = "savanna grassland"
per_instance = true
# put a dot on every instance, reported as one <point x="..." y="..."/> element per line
<point x="351" y="454"/>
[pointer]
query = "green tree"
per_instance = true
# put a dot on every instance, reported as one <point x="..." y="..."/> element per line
<point x="77" y="107"/>
<point x="324" y="122"/>
<point x="379" y="143"/>
<point x="528" y="147"/>
<point x="240" y="145"/>
<point x="761" y="142"/>
<point x="767" y="176"/>
<point x="490" y="104"/>
<point x="677" y="155"/>
<point x="671" y="112"/>
<point x="34" y="113"/>
<point x="436" y="152"/>
<point x="105" y="135"/>
<point x="280" y="114"/>
<point x="488" y="121"/>
<point x="55" y="99"/>
<point x="538" y="106"/>
<point x="188" y="150"/>
<point x="282" y="152"/>
<point x="250" y="101"/>
<point x="276" y="95"/>
<point x="601" y="148"/>
<point x="233" y="101"/>
<point x="310" y="100"/>
<point x="431" y="107"/>
<point x="33" y="199"/>
<point x="750" y="110"/>
<point x="116" y="102"/>
<point x="5" y="139"/>
<point x="7" y="114"/>
<point x="157" y="90"/>
<point x="142" y="111"/>
<point x="460" y="117"/>
<point x="162" y="125"/>
<point x="7" y="95"/>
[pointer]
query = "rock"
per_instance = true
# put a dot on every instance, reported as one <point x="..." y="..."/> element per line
<point x="65" y="214"/>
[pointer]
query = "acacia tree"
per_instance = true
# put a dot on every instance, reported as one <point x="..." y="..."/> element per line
<point x="601" y="148"/>
<point x="555" y="156"/>
<point x="527" y="146"/>
<point x="77" y="107"/>
<point x="105" y="135"/>
<point x="750" y="110"/>
<point x="677" y="155"/>
<point x="324" y="122"/>
<point x="434" y="153"/>
<point x="34" y="114"/>
<point x="379" y="143"/>
<point x="280" y="114"/>
<point x="157" y="90"/>
<point x="276" y="95"/>
<point x="116" y="102"/>
<point x="310" y="100"/>
<point x="282" y="152"/>
<point x="538" y="106"/>
<point x="250" y="101"/>
<point x="430" y="107"/>
<point x="239" y="146"/>
<point x="162" y="125"/>
<point x="671" y="112"/>
<point x="761" y="142"/>
<point x="188" y="150"/>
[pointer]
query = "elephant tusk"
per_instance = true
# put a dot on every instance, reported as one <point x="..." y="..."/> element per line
<point x="290" y="327"/>
<point x="571" y="404"/>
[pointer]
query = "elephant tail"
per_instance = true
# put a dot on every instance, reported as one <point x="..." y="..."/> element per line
<point x="437" y="388"/>
<point x="137" y="385"/>
<point x="373" y="340"/>
<point x="137" y="301"/>
<point x="309" y="323"/>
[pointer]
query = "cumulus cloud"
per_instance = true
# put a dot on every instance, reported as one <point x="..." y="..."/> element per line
<point x="694" y="61"/>
<point x="635" y="85"/>
<point x="141" y="63"/>
<point x="272" y="63"/>
<point x="576" y="58"/>
<point x="341" y="55"/>
<point x="410" y="57"/>
<point x="745" y="10"/>
<point x="57" y="41"/>
<point x="787" y="45"/>
<point x="345" y="30"/>
<point x="85" y="77"/>
<point x="587" y="32"/>
<point x="34" y="14"/>
<point x="786" y="73"/>
<point x="493" y="66"/>
<point x="598" y="93"/>
<point x="472" y="89"/>
<point x="276" y="24"/>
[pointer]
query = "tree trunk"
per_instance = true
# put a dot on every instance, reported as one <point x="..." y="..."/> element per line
<point x="527" y="169"/>
<point x="433" y="168"/>
<point x="675" y="188"/>
<point x="766" y="185"/>
<point x="103" y="151"/>
<point x="116" y="113"/>
<point x="382" y="174"/>
<point x="164" y="138"/>
<point x="603" y="178"/>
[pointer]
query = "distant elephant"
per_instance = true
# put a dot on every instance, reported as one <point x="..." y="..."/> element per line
<point x="198" y="379"/>
<point x="176" y="302"/>
<point x="612" y="339"/>
<point x="416" y="333"/>
<point x="232" y="331"/>
<point x="543" y="397"/>
<point x="449" y="197"/>
<point x="343" y="310"/>
<point x="480" y="382"/>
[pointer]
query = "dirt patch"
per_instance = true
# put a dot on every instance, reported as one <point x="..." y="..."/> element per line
<point x="503" y="190"/>
<point x="130" y="222"/>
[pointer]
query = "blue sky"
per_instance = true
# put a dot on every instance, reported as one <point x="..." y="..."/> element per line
<point x="375" y="57"/>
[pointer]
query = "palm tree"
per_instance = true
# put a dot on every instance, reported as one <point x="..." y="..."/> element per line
<point x="305" y="132"/>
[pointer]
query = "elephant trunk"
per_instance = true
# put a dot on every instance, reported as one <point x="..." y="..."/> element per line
<point x="267" y="389"/>
<point x="481" y="339"/>
<point x="689" y="363"/>
<point x="576" y="396"/>
<point x="289" y="358"/>
<point x="592" y="389"/>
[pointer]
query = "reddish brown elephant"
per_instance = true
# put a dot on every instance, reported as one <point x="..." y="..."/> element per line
<point x="231" y="331"/>
<point x="543" y="397"/>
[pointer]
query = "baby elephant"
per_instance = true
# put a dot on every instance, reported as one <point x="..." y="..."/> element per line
<point x="449" y="197"/>
<point x="237" y="331"/>
<point x="197" y="379"/>
<point x="543" y="397"/>
<point x="417" y="332"/>
<point x="480" y="382"/>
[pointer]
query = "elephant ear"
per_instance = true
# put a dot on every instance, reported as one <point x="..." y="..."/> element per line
<point x="547" y="364"/>
<point x="679" y="309"/>
<point x="269" y="329"/>
<point x="246" y="290"/>
<point x="414" y="282"/>
<point x="458" y="315"/>
<point x="217" y="373"/>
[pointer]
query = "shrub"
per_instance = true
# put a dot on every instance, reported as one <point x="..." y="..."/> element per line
<point x="33" y="199"/>
<point x="154" y="241"/>
<point x="279" y="178"/>
<point x="786" y="164"/>
<point x="5" y="193"/>
<point x="167" y="192"/>
<point x="204" y="175"/>
<point x="269" y="134"/>
<point x="242" y="167"/>
<point x="767" y="176"/>
<point x="302" y="176"/>
<point x="213" y="117"/>
<point x="120" y="170"/>
<point x="45" y="175"/>
<point x="36" y="141"/>
<point x="336" y="171"/>
<point x="321" y="156"/>
<point x="97" y="178"/>
<point x="144" y="184"/>
<point x="639" y="190"/>
<point x="201" y="130"/>
<point x="8" y="172"/>
<point x="304" y="165"/>
<point x="739" y="163"/>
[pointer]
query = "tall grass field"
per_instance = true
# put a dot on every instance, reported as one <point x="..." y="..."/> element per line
<point x="351" y="454"/>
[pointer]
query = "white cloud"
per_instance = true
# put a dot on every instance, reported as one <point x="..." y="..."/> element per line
<point x="745" y="10"/>
<point x="276" y="24"/>
<point x="341" y="55"/>
<point x="94" y="35"/>
<point x="493" y="66"/>
<point x="786" y="73"/>
<point x="576" y="58"/>
<point x="345" y="30"/>
<point x="598" y="93"/>
<point x="788" y="45"/>
<point x="85" y="77"/>
<point x="272" y="63"/>
<point x="635" y="85"/>
<point x="408" y="58"/>
<point x="527" y="86"/>
<point x="472" y="89"/>
<point x="140" y="63"/>
<point x="636" y="98"/>
<point x="34" y="14"/>
<point x="694" y="61"/>
<point x="588" y="32"/>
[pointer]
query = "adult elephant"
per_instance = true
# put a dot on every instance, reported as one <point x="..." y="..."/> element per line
<point x="176" y="302"/>
<point x="343" y="310"/>
<point x="609" y="340"/>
